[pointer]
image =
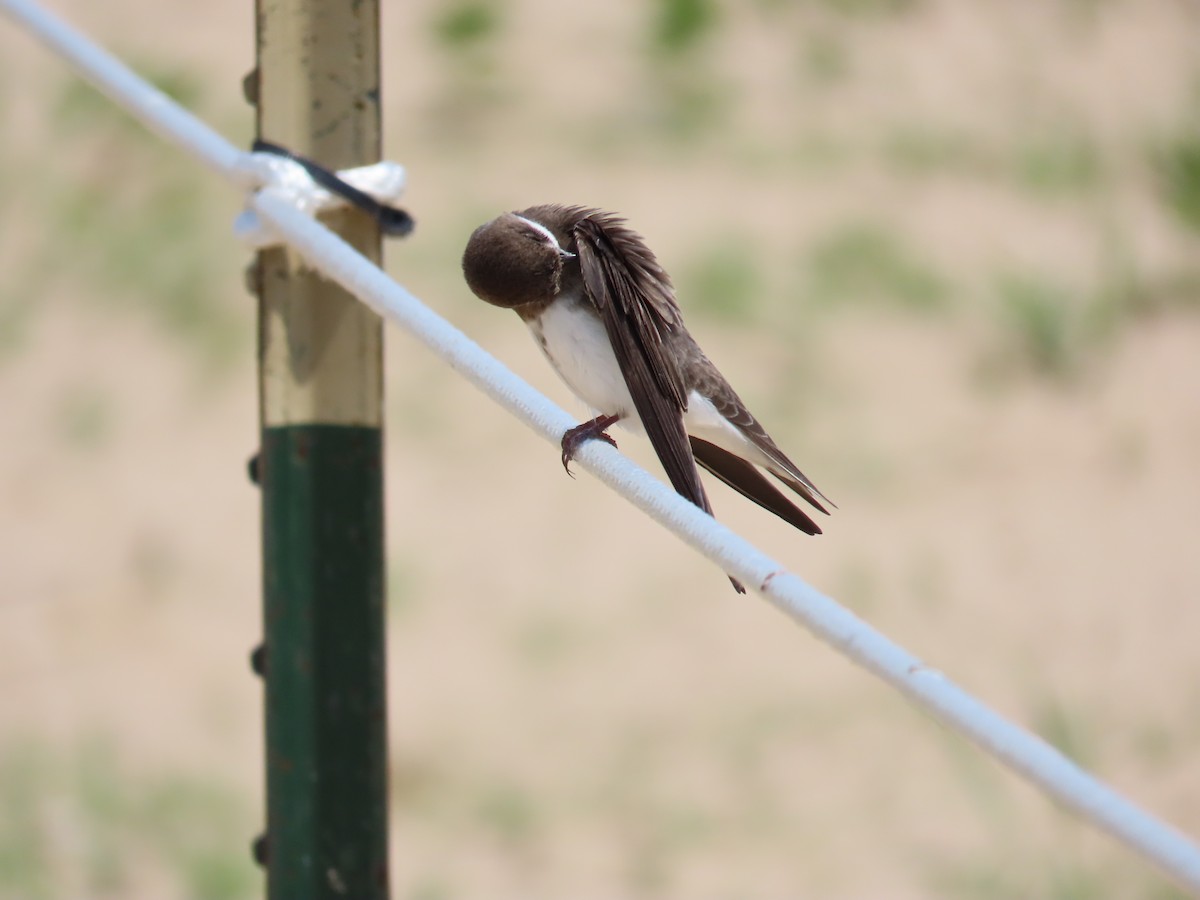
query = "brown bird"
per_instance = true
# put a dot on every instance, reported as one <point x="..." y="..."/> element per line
<point x="604" y="313"/>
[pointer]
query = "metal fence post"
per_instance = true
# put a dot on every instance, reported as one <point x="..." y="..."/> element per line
<point x="321" y="471"/>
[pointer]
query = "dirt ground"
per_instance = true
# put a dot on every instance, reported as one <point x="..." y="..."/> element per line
<point x="1018" y="486"/>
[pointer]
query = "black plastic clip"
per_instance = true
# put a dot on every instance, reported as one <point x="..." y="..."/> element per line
<point x="393" y="221"/>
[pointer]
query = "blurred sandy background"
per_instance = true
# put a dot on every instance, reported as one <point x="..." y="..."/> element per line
<point x="946" y="250"/>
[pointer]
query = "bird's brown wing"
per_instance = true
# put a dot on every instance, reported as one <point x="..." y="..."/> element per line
<point x="712" y="384"/>
<point x="637" y="305"/>
<point x="748" y="481"/>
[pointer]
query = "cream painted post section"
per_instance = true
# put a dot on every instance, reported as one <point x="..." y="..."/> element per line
<point x="318" y="91"/>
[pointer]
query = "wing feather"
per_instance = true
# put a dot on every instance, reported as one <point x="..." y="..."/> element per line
<point x="748" y="481"/>
<point x="730" y="406"/>
<point x="636" y="303"/>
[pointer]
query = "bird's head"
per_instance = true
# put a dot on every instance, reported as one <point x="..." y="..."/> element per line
<point x="512" y="262"/>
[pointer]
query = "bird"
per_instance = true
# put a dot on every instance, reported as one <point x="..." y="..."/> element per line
<point x="604" y="313"/>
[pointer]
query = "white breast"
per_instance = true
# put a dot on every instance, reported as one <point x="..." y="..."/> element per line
<point x="576" y="344"/>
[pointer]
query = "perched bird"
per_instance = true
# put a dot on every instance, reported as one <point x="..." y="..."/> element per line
<point x="604" y="313"/>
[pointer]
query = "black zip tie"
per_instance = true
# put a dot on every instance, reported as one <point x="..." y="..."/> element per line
<point x="392" y="221"/>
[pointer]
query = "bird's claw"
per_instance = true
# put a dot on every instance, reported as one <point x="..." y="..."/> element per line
<point x="585" y="431"/>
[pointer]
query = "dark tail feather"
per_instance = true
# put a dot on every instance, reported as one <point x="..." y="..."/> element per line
<point x="748" y="481"/>
<point x="806" y="490"/>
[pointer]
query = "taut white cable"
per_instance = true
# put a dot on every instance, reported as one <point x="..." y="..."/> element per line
<point x="1026" y="754"/>
<point x="1023" y="752"/>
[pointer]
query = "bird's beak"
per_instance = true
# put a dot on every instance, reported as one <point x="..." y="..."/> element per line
<point x="565" y="254"/>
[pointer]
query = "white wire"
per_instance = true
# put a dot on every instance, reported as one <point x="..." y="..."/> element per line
<point x="1026" y="754"/>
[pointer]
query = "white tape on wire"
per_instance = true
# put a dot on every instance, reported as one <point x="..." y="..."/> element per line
<point x="382" y="181"/>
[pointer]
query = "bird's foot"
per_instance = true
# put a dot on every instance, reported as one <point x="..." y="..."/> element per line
<point x="585" y="431"/>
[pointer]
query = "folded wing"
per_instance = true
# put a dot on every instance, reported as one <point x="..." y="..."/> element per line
<point x="636" y="303"/>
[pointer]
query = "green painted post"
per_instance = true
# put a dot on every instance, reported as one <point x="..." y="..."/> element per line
<point x="321" y="472"/>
